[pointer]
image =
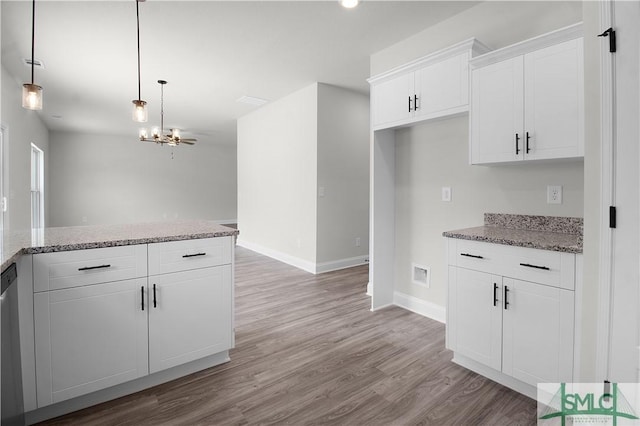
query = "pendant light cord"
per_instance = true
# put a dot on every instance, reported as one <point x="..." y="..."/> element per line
<point x="162" y="110"/>
<point x="138" y="28"/>
<point x="33" y="38"/>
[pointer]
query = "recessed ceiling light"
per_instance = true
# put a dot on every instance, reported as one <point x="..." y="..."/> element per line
<point x="252" y="100"/>
<point x="349" y="4"/>
<point x="36" y="63"/>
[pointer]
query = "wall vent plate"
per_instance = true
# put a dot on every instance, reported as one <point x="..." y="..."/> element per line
<point x="421" y="275"/>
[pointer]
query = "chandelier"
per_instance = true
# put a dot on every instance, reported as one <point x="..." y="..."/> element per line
<point x="158" y="135"/>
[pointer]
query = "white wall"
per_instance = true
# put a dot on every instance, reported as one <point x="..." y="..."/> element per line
<point x="23" y="127"/>
<point x="343" y="171"/>
<point x="100" y="179"/>
<point x="277" y="175"/>
<point x="435" y="154"/>
<point x="288" y="149"/>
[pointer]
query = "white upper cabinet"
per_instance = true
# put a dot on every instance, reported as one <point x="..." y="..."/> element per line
<point x="434" y="86"/>
<point x="527" y="100"/>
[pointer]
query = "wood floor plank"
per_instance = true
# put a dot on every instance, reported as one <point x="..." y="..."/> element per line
<point x="309" y="351"/>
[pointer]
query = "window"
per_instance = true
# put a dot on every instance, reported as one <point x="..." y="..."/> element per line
<point x="37" y="187"/>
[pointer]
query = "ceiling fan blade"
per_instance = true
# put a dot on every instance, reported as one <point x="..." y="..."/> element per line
<point x="188" y="142"/>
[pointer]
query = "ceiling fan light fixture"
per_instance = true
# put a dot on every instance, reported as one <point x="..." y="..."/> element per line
<point x="140" y="113"/>
<point x="31" y="96"/>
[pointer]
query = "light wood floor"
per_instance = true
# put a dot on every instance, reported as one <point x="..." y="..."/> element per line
<point x="309" y="351"/>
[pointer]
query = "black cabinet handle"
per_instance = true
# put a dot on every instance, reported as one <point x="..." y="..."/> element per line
<point x="142" y="294"/>
<point x="155" y="304"/>
<point x="527" y="143"/>
<point x="475" y="256"/>
<point x="535" y="266"/>
<point x="506" y="297"/>
<point x="495" y="294"/>
<point x="88" y="268"/>
<point x="194" y="255"/>
<point x="410" y="104"/>
<point x="415" y="102"/>
<point x="517" y="144"/>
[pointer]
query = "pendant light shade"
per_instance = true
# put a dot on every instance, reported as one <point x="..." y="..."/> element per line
<point x="140" y="113"/>
<point x="31" y="96"/>
<point x="31" y="92"/>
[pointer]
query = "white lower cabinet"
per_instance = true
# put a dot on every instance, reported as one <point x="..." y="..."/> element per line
<point x="93" y="335"/>
<point x="522" y="329"/>
<point x="190" y="316"/>
<point x="89" y="338"/>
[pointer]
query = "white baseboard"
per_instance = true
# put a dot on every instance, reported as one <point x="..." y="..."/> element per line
<point x="335" y="265"/>
<point x="305" y="265"/>
<point x="419" y="306"/>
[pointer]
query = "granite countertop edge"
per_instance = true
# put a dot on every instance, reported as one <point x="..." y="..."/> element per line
<point x="534" y="241"/>
<point x="14" y="254"/>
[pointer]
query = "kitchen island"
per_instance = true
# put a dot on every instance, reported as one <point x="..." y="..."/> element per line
<point x="110" y="310"/>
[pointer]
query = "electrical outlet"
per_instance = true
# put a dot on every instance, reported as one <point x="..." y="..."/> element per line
<point x="357" y="241"/>
<point x="554" y="194"/>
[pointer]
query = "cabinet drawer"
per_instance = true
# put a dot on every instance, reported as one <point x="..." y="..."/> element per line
<point x="551" y="268"/>
<point x="59" y="270"/>
<point x="184" y="255"/>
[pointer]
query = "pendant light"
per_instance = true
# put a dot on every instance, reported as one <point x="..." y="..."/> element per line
<point x="31" y="92"/>
<point x="140" y="113"/>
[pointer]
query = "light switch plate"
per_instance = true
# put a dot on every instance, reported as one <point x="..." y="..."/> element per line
<point x="446" y="193"/>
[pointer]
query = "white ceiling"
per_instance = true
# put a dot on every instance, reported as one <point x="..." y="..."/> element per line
<point x="210" y="52"/>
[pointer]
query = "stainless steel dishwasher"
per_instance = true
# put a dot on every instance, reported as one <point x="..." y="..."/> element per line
<point x="12" y="408"/>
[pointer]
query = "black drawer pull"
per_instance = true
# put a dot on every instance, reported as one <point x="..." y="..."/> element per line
<point x="194" y="255"/>
<point x="495" y="294"/>
<point x="517" y="144"/>
<point x="527" y="144"/>
<point x="475" y="256"/>
<point x="506" y="297"/>
<point x="88" y="268"/>
<point x="415" y="102"/>
<point x="410" y="109"/>
<point x="155" y="304"/>
<point x="142" y="293"/>
<point x="535" y="266"/>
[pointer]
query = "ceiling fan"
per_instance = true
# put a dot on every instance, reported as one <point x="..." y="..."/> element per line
<point x="158" y="135"/>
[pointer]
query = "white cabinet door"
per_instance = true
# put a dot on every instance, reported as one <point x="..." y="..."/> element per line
<point x="89" y="338"/>
<point x="442" y="87"/>
<point x="497" y="112"/>
<point x="190" y="316"/>
<point x="393" y="100"/>
<point x="554" y="105"/>
<point x="476" y="317"/>
<point x="538" y="332"/>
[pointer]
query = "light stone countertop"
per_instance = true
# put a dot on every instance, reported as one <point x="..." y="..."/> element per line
<point x="548" y="233"/>
<point x="87" y="237"/>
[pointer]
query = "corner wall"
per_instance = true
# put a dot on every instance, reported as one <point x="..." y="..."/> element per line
<point x="303" y="179"/>
<point x="343" y="173"/>
<point x="277" y="177"/>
